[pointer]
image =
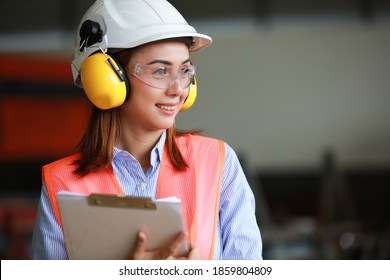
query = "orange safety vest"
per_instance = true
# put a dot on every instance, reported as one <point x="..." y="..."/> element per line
<point x="198" y="186"/>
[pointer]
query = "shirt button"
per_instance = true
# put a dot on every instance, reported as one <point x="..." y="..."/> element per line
<point x="142" y="185"/>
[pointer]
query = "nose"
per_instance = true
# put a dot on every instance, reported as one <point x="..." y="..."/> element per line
<point x="175" y="87"/>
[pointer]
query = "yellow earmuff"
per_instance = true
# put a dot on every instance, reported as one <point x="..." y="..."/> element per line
<point x="104" y="81"/>
<point x="191" y="96"/>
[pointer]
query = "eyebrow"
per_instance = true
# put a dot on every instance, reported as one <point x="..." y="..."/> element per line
<point x="161" y="61"/>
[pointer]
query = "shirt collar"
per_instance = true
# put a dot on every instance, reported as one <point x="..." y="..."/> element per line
<point x="155" y="155"/>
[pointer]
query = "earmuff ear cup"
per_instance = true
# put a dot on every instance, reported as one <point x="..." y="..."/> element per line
<point x="191" y="96"/>
<point x="104" y="81"/>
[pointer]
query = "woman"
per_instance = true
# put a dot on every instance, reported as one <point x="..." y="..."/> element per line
<point x="131" y="145"/>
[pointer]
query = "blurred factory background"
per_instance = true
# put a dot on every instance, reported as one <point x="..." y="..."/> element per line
<point x="300" y="89"/>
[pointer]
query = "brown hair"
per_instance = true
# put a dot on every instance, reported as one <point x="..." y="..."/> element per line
<point x="97" y="144"/>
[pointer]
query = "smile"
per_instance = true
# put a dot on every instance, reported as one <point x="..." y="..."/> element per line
<point x="168" y="108"/>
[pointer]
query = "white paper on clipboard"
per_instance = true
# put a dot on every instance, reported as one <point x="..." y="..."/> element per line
<point x="105" y="232"/>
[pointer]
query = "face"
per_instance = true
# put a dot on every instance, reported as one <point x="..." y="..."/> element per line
<point x="150" y="108"/>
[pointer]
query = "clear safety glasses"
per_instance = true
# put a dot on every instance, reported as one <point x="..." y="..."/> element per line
<point x="163" y="77"/>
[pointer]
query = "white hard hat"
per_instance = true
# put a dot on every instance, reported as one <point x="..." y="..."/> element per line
<point x="126" y="24"/>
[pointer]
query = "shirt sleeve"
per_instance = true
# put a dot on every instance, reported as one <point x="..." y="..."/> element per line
<point x="241" y="237"/>
<point x="48" y="240"/>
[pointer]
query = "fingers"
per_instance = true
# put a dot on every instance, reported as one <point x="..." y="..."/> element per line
<point x="139" y="247"/>
<point x="193" y="253"/>
<point x="170" y="250"/>
<point x="139" y="250"/>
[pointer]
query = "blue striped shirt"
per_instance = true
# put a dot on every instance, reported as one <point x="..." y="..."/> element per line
<point x="238" y="235"/>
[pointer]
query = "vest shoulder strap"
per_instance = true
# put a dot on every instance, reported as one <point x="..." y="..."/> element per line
<point x="60" y="176"/>
<point x="198" y="187"/>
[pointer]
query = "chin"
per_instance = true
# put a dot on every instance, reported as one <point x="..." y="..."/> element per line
<point x="165" y="125"/>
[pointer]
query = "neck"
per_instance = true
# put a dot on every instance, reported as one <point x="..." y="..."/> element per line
<point x="139" y="145"/>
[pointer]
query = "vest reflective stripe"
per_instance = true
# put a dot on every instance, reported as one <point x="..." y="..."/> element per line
<point x="198" y="186"/>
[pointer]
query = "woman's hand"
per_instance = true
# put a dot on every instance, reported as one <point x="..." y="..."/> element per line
<point x="165" y="253"/>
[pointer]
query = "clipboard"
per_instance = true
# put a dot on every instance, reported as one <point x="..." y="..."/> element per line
<point x="105" y="227"/>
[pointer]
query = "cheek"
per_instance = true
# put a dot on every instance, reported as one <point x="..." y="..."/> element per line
<point x="143" y="99"/>
<point x="184" y="95"/>
<point x="140" y="91"/>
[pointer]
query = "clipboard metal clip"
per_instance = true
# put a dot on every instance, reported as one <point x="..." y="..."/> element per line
<point x="121" y="201"/>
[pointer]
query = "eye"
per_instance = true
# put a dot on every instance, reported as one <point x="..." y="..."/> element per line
<point x="187" y="71"/>
<point x="159" y="72"/>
